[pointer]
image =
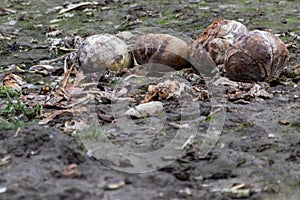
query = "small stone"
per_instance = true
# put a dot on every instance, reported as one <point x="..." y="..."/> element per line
<point x="284" y="122"/>
<point x="114" y="184"/>
<point x="271" y="135"/>
<point x="284" y="21"/>
<point x="153" y="108"/>
<point x="3" y="189"/>
<point x="185" y="192"/>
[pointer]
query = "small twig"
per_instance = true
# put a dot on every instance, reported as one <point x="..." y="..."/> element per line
<point x="55" y="59"/>
<point x="67" y="76"/>
<point x="80" y="101"/>
<point x="17" y="132"/>
<point x="188" y="142"/>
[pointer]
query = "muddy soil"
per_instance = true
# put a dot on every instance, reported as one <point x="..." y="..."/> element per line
<point x="257" y="155"/>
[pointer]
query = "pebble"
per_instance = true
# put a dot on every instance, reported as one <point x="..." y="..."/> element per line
<point x="153" y="108"/>
<point x="284" y="122"/>
<point x="271" y="135"/>
<point x="3" y="189"/>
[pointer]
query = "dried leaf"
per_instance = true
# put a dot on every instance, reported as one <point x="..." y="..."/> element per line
<point x="5" y="160"/>
<point x="14" y="81"/>
<point x="226" y="82"/>
<point x="239" y="190"/>
<point x="48" y="68"/>
<point x="5" y="11"/>
<point x="73" y="125"/>
<point x="79" y="77"/>
<point x="54" y="33"/>
<point x="2" y="37"/>
<point x="70" y="171"/>
<point x="45" y="90"/>
<point x="165" y="90"/>
<point x="77" y="6"/>
<point x="54" y="114"/>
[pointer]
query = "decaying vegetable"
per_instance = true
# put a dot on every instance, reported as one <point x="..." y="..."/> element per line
<point x="217" y="38"/>
<point x="256" y="56"/>
<point x="162" y="49"/>
<point x="104" y="51"/>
